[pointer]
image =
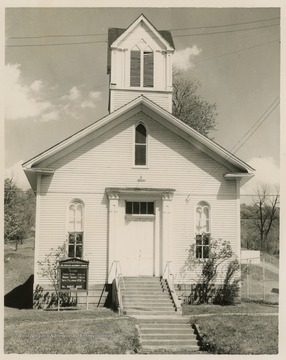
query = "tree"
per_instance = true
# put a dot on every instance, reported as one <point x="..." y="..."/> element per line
<point x="266" y="213"/>
<point x="190" y="107"/>
<point x="19" y="211"/>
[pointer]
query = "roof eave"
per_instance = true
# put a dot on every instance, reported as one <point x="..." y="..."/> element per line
<point x="149" y="25"/>
<point x="228" y="156"/>
<point x="142" y="100"/>
<point x="81" y="134"/>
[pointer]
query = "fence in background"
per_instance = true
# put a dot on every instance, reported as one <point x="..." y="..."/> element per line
<point x="260" y="281"/>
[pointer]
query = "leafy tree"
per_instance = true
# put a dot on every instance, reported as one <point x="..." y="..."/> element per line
<point x="19" y="211"/>
<point x="190" y="107"/>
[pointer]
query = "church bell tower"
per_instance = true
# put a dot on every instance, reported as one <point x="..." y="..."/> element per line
<point x="140" y="63"/>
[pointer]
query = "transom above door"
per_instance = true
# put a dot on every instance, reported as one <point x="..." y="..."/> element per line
<point x="139" y="221"/>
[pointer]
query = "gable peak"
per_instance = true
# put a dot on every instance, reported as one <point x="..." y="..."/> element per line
<point x="164" y="37"/>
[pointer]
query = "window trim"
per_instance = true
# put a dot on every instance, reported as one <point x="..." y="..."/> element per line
<point x="81" y="231"/>
<point x="134" y="146"/>
<point x="202" y="204"/>
<point x="147" y="49"/>
<point x="202" y="246"/>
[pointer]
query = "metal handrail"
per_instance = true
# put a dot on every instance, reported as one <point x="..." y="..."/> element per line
<point x="170" y="282"/>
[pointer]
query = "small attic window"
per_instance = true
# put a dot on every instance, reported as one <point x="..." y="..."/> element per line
<point x="141" y="67"/>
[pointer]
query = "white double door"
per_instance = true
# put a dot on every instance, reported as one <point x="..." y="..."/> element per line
<point x="136" y="246"/>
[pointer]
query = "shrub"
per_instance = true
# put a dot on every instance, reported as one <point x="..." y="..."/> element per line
<point x="49" y="269"/>
<point x="228" y="292"/>
<point x="219" y="251"/>
<point x="48" y="299"/>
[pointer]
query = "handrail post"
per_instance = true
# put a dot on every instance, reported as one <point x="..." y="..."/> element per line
<point x="170" y="281"/>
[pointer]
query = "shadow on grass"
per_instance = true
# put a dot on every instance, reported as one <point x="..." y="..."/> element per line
<point x="21" y="297"/>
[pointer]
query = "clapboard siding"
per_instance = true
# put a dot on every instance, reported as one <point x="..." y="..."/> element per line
<point x="107" y="161"/>
<point x="53" y="230"/>
<point x="169" y="155"/>
<point x="223" y="225"/>
<point x="122" y="97"/>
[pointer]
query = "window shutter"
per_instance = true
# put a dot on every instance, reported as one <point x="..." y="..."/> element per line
<point x="148" y="80"/>
<point x="135" y="68"/>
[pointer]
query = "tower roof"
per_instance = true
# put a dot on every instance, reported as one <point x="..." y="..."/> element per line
<point x="115" y="33"/>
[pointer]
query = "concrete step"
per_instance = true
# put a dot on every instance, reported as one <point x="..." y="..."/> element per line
<point x="144" y="291"/>
<point x="149" y="312"/>
<point x="176" y="349"/>
<point x="141" y="278"/>
<point x="144" y="287"/>
<point x="165" y="330"/>
<point x="143" y="307"/>
<point x="151" y="283"/>
<point x="153" y="299"/>
<point x="163" y="342"/>
<point x="155" y="327"/>
<point x="150" y="299"/>
<point x="148" y="304"/>
<point x="173" y="320"/>
<point x="171" y="336"/>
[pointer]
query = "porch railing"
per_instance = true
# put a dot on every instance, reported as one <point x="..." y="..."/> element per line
<point x="169" y="277"/>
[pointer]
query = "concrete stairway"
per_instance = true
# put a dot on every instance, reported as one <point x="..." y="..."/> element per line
<point x="146" y="296"/>
<point x="168" y="334"/>
<point x="161" y="328"/>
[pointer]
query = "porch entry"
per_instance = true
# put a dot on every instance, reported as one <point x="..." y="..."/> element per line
<point x="137" y="240"/>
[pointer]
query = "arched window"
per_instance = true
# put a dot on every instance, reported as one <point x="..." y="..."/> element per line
<point x="76" y="219"/>
<point x="202" y="230"/>
<point x="140" y="158"/>
<point x="203" y="218"/>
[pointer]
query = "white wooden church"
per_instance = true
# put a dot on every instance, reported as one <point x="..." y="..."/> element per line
<point x="135" y="187"/>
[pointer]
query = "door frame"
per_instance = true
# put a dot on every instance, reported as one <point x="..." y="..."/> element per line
<point x="156" y="218"/>
<point x="162" y="232"/>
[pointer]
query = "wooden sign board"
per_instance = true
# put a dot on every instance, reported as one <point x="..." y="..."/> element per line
<point x="73" y="274"/>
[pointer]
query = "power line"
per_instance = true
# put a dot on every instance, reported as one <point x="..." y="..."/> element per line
<point x="257" y="127"/>
<point x="105" y="34"/>
<point x="56" y="36"/>
<point x="235" y="51"/>
<point x="225" y="25"/>
<point x="255" y="123"/>
<point x="57" y="44"/>
<point x="227" y="31"/>
<point x="228" y="157"/>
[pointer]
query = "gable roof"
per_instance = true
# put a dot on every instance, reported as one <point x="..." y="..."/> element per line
<point x="238" y="168"/>
<point x="115" y="33"/>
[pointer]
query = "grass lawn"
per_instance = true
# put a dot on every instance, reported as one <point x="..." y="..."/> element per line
<point x="244" y="307"/>
<point x="101" y="331"/>
<point x="239" y="334"/>
<point x="21" y="264"/>
<point x="98" y="331"/>
<point x="252" y="286"/>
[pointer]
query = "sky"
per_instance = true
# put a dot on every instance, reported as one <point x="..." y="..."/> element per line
<point x="56" y="81"/>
